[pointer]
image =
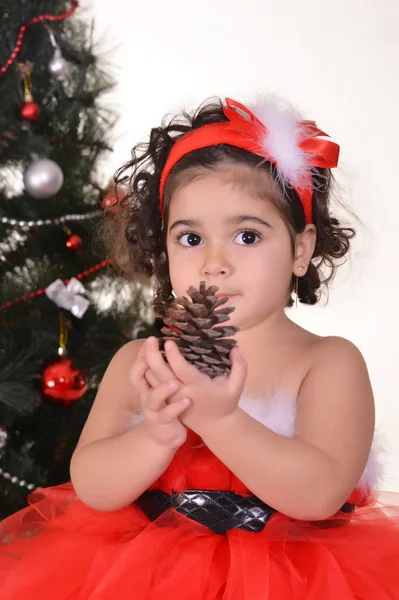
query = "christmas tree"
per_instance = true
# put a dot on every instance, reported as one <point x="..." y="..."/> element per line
<point x="64" y="310"/>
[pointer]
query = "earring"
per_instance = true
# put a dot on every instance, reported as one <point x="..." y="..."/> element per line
<point x="300" y="268"/>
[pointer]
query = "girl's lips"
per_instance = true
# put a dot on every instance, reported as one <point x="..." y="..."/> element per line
<point x="219" y="295"/>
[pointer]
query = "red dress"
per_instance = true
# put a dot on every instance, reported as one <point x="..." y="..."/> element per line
<point x="59" y="549"/>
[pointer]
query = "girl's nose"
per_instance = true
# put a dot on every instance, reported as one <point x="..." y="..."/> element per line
<point x="216" y="263"/>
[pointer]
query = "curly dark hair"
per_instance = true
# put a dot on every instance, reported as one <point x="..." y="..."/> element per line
<point x="142" y="248"/>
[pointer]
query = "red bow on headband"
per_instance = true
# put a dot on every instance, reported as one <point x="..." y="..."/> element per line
<point x="322" y="153"/>
<point x="244" y="130"/>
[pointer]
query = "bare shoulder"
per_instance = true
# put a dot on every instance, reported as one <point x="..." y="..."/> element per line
<point x="337" y="365"/>
<point x="116" y="399"/>
<point x="116" y="382"/>
<point x="334" y="350"/>
<point x="127" y="352"/>
<point x="117" y="375"/>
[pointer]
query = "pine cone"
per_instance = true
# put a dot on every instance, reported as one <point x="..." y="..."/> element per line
<point x="191" y="326"/>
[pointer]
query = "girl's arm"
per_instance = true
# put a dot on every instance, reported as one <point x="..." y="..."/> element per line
<point x="309" y="476"/>
<point x="115" y="462"/>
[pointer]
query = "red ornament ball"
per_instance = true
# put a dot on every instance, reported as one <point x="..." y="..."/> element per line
<point x="30" y="111"/>
<point x="61" y="382"/>
<point x="74" y="242"/>
<point x="112" y="198"/>
<point x="109" y="201"/>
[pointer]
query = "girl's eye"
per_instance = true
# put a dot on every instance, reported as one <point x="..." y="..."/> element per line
<point x="249" y="237"/>
<point x="188" y="239"/>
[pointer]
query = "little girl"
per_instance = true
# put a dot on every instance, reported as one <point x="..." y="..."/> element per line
<point x="260" y="484"/>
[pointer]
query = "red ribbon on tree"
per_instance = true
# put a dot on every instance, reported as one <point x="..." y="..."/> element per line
<point x="42" y="291"/>
<point x="34" y="21"/>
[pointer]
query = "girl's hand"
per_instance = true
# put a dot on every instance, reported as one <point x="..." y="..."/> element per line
<point x="149" y="352"/>
<point x="212" y="400"/>
<point x="161" y="417"/>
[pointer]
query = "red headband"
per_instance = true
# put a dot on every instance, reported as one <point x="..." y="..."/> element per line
<point x="244" y="130"/>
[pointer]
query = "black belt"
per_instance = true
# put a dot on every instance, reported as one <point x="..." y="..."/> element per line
<point x="217" y="510"/>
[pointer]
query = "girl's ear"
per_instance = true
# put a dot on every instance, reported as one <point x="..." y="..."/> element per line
<point x="304" y="247"/>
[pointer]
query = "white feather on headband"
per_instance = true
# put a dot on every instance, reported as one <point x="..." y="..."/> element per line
<point x="285" y="129"/>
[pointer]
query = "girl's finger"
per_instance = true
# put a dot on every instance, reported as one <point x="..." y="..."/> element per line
<point x="187" y="373"/>
<point x="238" y="373"/>
<point x="156" y="361"/>
<point x="172" y="411"/>
<point x="142" y="350"/>
<point x="138" y="376"/>
<point x="157" y="396"/>
<point x="151" y="379"/>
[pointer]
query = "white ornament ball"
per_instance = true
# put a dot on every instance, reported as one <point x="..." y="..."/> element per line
<point x="43" y="178"/>
<point x="58" y="65"/>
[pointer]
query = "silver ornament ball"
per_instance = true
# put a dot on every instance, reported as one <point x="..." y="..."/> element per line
<point x="58" y="65"/>
<point x="43" y="178"/>
<point x="3" y="437"/>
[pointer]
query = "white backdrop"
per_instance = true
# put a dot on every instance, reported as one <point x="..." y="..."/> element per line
<point x="338" y="63"/>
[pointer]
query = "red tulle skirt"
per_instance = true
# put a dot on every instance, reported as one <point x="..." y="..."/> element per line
<point x="59" y="549"/>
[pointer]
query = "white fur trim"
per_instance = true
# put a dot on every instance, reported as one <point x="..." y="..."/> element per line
<point x="372" y="476"/>
<point x="278" y="413"/>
